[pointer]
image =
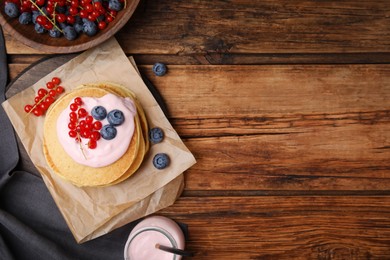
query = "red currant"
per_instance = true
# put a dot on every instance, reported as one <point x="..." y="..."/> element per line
<point x="70" y="19"/>
<point x="37" y="111"/>
<point x="72" y="125"/>
<point x="60" y="18"/>
<point x="98" y="5"/>
<point x="89" y="120"/>
<point x="50" y="85"/>
<point x="82" y="124"/>
<point x="78" y="101"/>
<point x="52" y="92"/>
<point x="73" y="115"/>
<point x="48" y="26"/>
<point x="42" y="92"/>
<point x="102" y="25"/>
<point x="95" y="135"/>
<point x="74" y="3"/>
<point x="92" y="144"/>
<point x="73" y="119"/>
<point x="56" y="80"/>
<point x="82" y="112"/>
<point x="109" y="19"/>
<point x="97" y="125"/>
<point x="85" y="133"/>
<point x="27" y="108"/>
<point x="91" y="17"/>
<point x="60" y="89"/>
<point x="44" y="106"/>
<point x="73" y="10"/>
<point x="72" y="133"/>
<point x="49" y="100"/>
<point x="73" y="107"/>
<point x="61" y="2"/>
<point x="88" y="127"/>
<point x="88" y="8"/>
<point x="41" y="20"/>
<point x="50" y="9"/>
<point x="83" y="14"/>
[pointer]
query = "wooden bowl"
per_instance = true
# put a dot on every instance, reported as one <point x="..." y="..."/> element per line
<point x="43" y="42"/>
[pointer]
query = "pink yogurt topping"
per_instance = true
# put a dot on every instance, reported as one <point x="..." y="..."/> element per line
<point x="107" y="151"/>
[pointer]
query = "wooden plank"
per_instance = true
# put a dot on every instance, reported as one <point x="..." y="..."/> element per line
<point x="243" y="26"/>
<point x="255" y="91"/>
<point x="316" y="159"/>
<point x="240" y="59"/>
<point x="278" y="227"/>
<point x="289" y="128"/>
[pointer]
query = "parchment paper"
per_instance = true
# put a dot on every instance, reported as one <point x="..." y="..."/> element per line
<point x="93" y="211"/>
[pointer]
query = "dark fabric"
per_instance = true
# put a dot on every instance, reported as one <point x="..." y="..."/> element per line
<point x="33" y="228"/>
<point x="9" y="155"/>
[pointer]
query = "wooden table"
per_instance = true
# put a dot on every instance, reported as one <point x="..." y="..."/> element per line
<point x="285" y="105"/>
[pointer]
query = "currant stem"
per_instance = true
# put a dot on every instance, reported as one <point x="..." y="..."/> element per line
<point x="36" y="104"/>
<point x="39" y="102"/>
<point x="81" y="146"/>
<point x="40" y="10"/>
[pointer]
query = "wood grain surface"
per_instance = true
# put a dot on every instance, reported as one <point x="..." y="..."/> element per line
<point x="285" y="105"/>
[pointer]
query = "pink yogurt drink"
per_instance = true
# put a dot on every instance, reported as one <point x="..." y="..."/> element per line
<point x="141" y="244"/>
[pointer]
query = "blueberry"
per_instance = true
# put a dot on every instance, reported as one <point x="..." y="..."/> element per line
<point x="108" y="132"/>
<point x="77" y="19"/>
<point x="115" y="5"/>
<point x="115" y="117"/>
<point x="39" y="28"/>
<point x="90" y="28"/>
<point x="161" y="161"/>
<point x="70" y="33"/>
<point x="101" y="17"/>
<point x="79" y="27"/>
<point x="11" y="10"/>
<point x="25" y="18"/>
<point x="156" y="135"/>
<point x="34" y="16"/>
<point x="159" y="69"/>
<point x="61" y="9"/>
<point x="99" y="112"/>
<point x="54" y="33"/>
<point x="62" y="25"/>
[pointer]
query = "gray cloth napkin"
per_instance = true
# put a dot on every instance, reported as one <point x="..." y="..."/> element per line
<point x="33" y="228"/>
<point x="9" y="155"/>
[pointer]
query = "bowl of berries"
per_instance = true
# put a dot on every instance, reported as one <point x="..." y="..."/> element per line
<point x="64" y="26"/>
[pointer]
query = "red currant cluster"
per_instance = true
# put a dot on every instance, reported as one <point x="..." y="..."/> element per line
<point x="82" y="125"/>
<point x="45" y="97"/>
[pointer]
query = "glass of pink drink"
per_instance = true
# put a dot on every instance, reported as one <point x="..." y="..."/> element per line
<point x="142" y="241"/>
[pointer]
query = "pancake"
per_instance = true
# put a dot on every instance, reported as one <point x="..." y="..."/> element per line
<point x="63" y="165"/>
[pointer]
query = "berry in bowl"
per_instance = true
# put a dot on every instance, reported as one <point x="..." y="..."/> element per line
<point x="64" y="26"/>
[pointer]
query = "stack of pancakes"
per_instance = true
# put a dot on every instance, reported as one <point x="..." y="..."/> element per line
<point x="63" y="165"/>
